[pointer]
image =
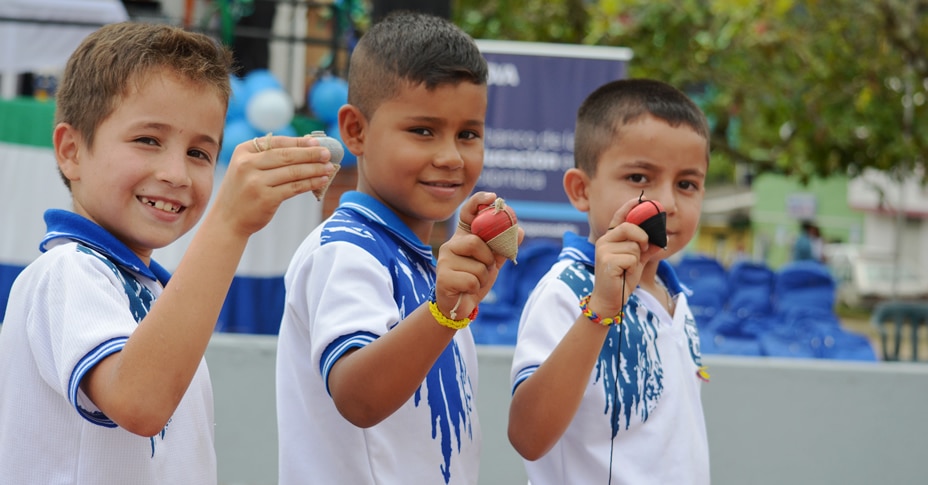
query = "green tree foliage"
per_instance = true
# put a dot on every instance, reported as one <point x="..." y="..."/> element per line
<point x="805" y="88"/>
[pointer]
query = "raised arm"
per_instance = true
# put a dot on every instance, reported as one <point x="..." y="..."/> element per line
<point x="140" y="387"/>
<point x="545" y="403"/>
<point x="370" y="384"/>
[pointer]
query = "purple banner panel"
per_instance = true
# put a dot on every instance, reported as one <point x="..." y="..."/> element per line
<point x="534" y="92"/>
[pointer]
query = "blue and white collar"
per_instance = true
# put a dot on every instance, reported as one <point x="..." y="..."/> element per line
<point x="580" y="249"/>
<point x="68" y="225"/>
<point x="375" y="211"/>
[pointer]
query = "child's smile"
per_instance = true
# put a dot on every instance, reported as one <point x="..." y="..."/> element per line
<point x="423" y="151"/>
<point x="148" y="176"/>
<point x="161" y="205"/>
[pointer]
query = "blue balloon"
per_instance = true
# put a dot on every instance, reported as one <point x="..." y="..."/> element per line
<point x="349" y="160"/>
<point x="288" y="130"/>
<point x="237" y="100"/>
<point x="259" y="80"/>
<point x="236" y="132"/>
<point x="326" y="96"/>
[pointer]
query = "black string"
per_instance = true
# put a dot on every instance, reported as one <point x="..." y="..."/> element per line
<point x="615" y="387"/>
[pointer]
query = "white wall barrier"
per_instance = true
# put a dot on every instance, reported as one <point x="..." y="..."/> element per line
<point x="770" y="421"/>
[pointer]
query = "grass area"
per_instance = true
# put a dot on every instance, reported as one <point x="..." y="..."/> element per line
<point x="854" y="313"/>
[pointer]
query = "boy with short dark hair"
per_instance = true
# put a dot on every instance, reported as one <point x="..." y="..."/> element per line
<point x="376" y="379"/>
<point x="607" y="370"/>
<point x="102" y="376"/>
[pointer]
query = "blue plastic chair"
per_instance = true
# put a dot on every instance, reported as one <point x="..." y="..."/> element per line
<point x="734" y="330"/>
<point x="807" y="326"/>
<point x="804" y="284"/>
<point x="709" y="281"/>
<point x="498" y="321"/>
<point x="750" y="304"/>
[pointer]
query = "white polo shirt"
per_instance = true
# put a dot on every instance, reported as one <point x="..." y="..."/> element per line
<point x="641" y="415"/>
<point x="73" y="306"/>
<point x="353" y="279"/>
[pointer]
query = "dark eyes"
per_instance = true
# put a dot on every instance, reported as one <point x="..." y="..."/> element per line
<point x="199" y="154"/>
<point x="147" y="141"/>
<point x="194" y="152"/>
<point x="638" y="178"/>
<point x="464" y="135"/>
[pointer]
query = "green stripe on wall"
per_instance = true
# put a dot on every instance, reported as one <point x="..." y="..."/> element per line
<point x="25" y="121"/>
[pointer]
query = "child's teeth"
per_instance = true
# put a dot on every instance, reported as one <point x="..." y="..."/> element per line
<point x="160" y="205"/>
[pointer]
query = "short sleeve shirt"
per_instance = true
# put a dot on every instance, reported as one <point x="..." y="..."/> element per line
<point x="355" y="278"/>
<point x="641" y="416"/>
<point x="75" y="305"/>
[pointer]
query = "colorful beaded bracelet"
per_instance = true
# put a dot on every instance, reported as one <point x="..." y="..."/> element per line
<point x="447" y="322"/>
<point x="584" y="307"/>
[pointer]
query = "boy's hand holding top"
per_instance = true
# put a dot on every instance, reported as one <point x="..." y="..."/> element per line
<point x="621" y="254"/>
<point x="257" y="182"/>
<point x="461" y="280"/>
<point x="466" y="269"/>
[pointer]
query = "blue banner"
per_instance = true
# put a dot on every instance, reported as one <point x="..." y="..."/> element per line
<point x="535" y="90"/>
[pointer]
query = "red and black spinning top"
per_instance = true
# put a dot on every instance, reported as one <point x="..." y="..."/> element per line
<point x="650" y="216"/>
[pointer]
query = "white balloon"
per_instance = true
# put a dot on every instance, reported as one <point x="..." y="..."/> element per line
<point x="269" y="110"/>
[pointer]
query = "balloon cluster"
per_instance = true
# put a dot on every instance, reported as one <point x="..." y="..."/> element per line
<point x="259" y="105"/>
<point x="325" y="98"/>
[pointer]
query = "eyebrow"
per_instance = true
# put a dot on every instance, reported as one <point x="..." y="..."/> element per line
<point x="693" y="172"/>
<point x="436" y="120"/>
<point x="645" y="165"/>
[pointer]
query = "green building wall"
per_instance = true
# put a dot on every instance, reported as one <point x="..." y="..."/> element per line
<point x="781" y="204"/>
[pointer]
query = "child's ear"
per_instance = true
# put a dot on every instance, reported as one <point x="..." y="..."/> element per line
<point x="352" y="125"/>
<point x="68" y="145"/>
<point x="576" y="182"/>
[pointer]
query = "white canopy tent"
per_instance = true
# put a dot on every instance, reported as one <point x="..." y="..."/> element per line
<point x="39" y="35"/>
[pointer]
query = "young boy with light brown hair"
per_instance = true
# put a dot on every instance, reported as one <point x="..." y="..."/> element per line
<point x="102" y="375"/>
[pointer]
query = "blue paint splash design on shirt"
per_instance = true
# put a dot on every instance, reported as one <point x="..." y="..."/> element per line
<point x="140" y="297"/>
<point x="140" y="302"/>
<point x="447" y="386"/>
<point x="638" y="375"/>
<point x="450" y="400"/>
<point x="161" y="434"/>
<point x="632" y="383"/>
<point x="692" y="337"/>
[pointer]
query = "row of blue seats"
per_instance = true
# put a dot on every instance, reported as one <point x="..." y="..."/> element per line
<point x="748" y="309"/>
<point x="500" y="310"/>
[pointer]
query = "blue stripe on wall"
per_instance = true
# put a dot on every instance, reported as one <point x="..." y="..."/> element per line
<point x="253" y="305"/>
<point x="8" y="273"/>
<point x="546" y="211"/>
